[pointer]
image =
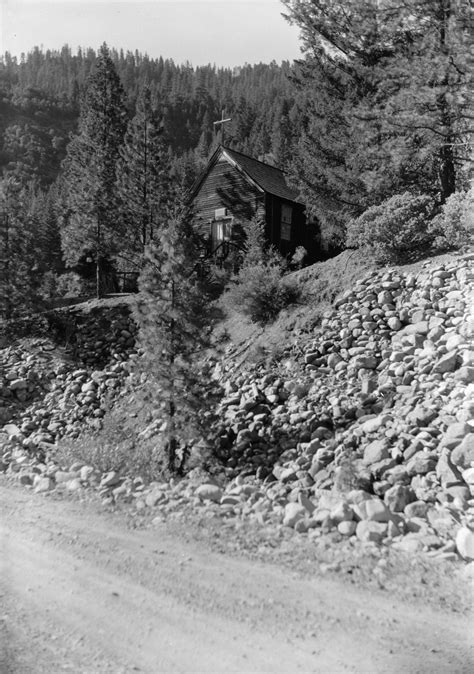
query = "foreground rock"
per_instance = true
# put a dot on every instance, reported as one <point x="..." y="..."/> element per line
<point x="364" y="429"/>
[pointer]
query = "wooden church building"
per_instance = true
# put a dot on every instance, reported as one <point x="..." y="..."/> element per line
<point x="234" y="189"/>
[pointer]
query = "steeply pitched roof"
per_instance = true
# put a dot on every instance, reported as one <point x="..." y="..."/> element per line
<point x="268" y="178"/>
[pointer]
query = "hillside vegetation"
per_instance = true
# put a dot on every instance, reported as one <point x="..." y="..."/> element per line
<point x="359" y="426"/>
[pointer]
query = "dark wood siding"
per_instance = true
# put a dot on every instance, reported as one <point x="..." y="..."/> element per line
<point x="225" y="187"/>
<point x="274" y="225"/>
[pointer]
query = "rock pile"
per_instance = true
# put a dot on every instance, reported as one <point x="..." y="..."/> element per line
<point x="43" y="398"/>
<point x="364" y="429"/>
<point x="98" y="336"/>
<point x="370" y="430"/>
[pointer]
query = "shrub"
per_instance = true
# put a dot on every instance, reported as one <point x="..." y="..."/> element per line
<point x="30" y="325"/>
<point x="259" y="290"/>
<point x="71" y="284"/>
<point x="394" y="230"/>
<point x="298" y="257"/>
<point x="453" y="227"/>
<point x="117" y="446"/>
<point x="129" y="458"/>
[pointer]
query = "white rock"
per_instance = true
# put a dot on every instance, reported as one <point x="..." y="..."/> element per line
<point x="347" y="528"/>
<point x="209" y="492"/>
<point x="293" y="513"/>
<point x="465" y="543"/>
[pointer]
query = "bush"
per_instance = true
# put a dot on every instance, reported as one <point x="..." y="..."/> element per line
<point x="395" y="230"/>
<point x="30" y="325"/>
<point x="136" y="459"/>
<point x="259" y="290"/>
<point x="71" y="284"/>
<point x="117" y="446"/>
<point x="453" y="227"/>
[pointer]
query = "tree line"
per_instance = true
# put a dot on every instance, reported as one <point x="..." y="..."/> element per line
<point x="95" y="147"/>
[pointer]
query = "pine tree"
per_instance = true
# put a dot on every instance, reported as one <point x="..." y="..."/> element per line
<point x="282" y="137"/>
<point x="387" y="104"/>
<point x="90" y="227"/>
<point x="172" y="314"/>
<point x="143" y="179"/>
<point x="20" y="251"/>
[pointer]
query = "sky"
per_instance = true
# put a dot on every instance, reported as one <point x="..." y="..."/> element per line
<point x="224" y="32"/>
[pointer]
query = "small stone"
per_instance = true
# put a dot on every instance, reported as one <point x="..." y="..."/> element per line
<point x="342" y="513"/>
<point x="375" y="451"/>
<point x="347" y="527"/>
<point x="110" y="479"/>
<point x="465" y="543"/>
<point x="447" y="473"/>
<point x="465" y="374"/>
<point x="455" y="434"/>
<point x="154" y="497"/>
<point x="18" y="384"/>
<point x="293" y="513"/>
<point x="306" y="503"/>
<point x="86" y="473"/>
<point x="371" y="531"/>
<point x="42" y="484"/>
<point x="301" y="526"/>
<point x="209" y="492"/>
<point x="377" y="511"/>
<point x="462" y="456"/>
<point x="398" y="497"/>
<point x="74" y="484"/>
<point x="409" y="544"/>
<point x="25" y="479"/>
<point x="441" y="521"/>
<point x="416" y="509"/>
<point x="394" y="323"/>
<point x="365" y="362"/>
<point x="459" y="493"/>
<point x="11" y="430"/>
<point x="447" y="363"/>
<point x="393" y="530"/>
<point x="468" y="477"/>
<point x="63" y="476"/>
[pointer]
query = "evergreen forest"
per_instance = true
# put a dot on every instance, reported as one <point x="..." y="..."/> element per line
<point x="99" y="148"/>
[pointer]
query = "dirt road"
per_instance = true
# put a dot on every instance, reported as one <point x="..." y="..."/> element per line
<point x="82" y="593"/>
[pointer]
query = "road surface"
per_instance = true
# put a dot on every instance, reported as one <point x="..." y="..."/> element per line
<point x="81" y="592"/>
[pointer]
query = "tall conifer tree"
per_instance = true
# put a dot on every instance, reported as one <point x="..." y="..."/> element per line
<point x="172" y="315"/>
<point x="20" y="251"/>
<point x="143" y="179"/>
<point x="387" y="101"/>
<point x="90" y="168"/>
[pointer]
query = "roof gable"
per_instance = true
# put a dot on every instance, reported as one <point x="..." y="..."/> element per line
<point x="267" y="178"/>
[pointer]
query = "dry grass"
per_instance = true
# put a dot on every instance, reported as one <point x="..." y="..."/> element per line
<point x="118" y="445"/>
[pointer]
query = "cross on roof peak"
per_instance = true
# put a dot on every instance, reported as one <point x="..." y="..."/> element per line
<point x="221" y="122"/>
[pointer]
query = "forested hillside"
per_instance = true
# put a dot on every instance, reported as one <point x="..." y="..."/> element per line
<point x="41" y="96"/>
<point x="97" y="149"/>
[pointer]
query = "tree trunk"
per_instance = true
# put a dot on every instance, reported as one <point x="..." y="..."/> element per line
<point x="97" y="262"/>
<point x="6" y="309"/>
<point x="447" y="172"/>
<point x="172" y="442"/>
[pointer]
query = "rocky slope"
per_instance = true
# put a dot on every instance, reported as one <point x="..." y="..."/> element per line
<point x="364" y="429"/>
